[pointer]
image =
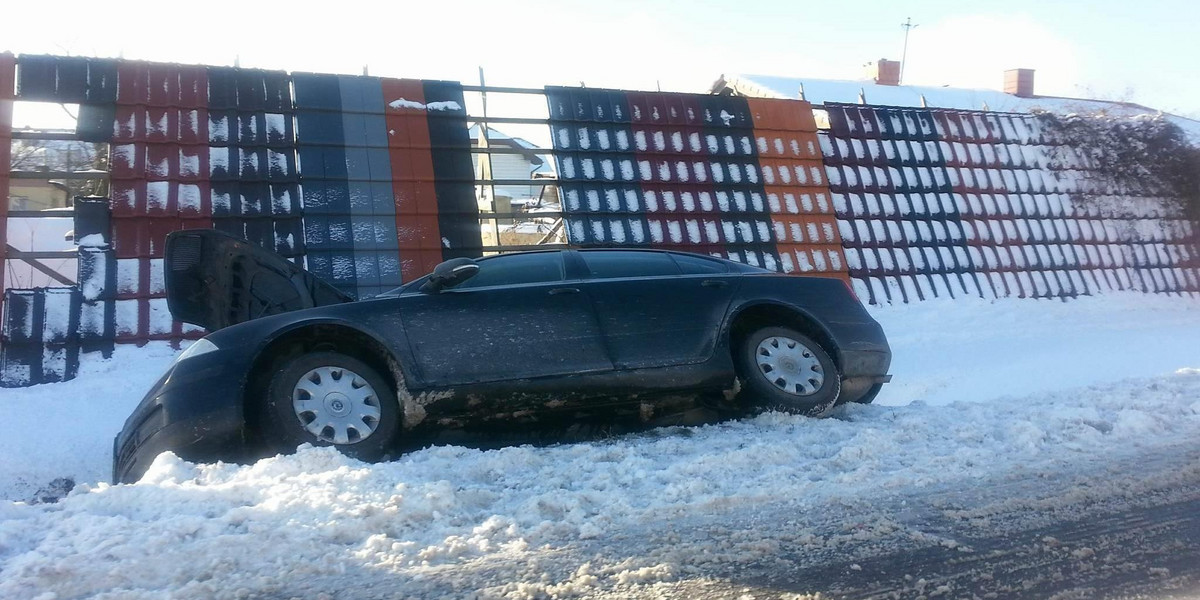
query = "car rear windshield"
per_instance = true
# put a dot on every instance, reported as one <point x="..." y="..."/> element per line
<point x="699" y="265"/>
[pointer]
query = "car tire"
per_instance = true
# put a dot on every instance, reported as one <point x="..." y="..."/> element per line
<point x="330" y="399"/>
<point x="806" y="381"/>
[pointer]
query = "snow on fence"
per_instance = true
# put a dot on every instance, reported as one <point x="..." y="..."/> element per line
<point x="934" y="202"/>
<point x="739" y="178"/>
<point x="387" y="179"/>
<point x="369" y="182"/>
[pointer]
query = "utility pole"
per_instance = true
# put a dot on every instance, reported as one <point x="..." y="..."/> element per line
<point x="908" y="26"/>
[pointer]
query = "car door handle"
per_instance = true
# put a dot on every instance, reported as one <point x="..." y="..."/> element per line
<point x="557" y="291"/>
<point x="714" y="283"/>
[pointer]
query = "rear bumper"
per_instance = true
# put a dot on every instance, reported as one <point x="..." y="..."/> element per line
<point x="863" y="350"/>
<point x="865" y="359"/>
<point x="867" y="364"/>
<point x="863" y="370"/>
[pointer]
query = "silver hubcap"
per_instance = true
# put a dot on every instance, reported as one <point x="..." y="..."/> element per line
<point x="789" y="366"/>
<point x="336" y="405"/>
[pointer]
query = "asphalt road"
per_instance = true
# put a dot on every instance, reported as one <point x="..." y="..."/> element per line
<point x="1148" y="552"/>
<point x="1129" y="530"/>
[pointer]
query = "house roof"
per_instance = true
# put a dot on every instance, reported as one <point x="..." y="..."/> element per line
<point x="821" y="91"/>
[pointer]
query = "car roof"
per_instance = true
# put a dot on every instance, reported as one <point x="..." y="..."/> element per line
<point x="735" y="265"/>
<point x="598" y="250"/>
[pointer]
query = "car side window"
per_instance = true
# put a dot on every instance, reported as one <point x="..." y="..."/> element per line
<point x="613" y="264"/>
<point x="699" y="265"/>
<point x="516" y="269"/>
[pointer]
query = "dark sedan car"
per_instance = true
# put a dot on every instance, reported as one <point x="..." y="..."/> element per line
<point x="504" y="339"/>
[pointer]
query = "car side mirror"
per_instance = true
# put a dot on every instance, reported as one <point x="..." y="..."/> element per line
<point x="449" y="274"/>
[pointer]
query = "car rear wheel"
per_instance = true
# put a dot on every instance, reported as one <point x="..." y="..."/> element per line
<point x="330" y="399"/>
<point x="782" y="369"/>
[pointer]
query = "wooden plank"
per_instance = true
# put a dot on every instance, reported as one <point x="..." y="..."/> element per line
<point x="45" y="175"/>
<point x="31" y="258"/>
<point x="50" y="136"/>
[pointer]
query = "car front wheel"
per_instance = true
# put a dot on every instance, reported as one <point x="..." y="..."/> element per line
<point x="782" y="369"/>
<point x="330" y="399"/>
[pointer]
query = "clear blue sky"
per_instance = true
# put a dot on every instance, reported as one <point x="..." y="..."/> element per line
<point x="1145" y="51"/>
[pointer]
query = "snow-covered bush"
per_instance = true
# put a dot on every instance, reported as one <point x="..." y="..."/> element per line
<point x="1144" y="158"/>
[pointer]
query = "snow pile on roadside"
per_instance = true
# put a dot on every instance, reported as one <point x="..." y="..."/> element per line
<point x="66" y="430"/>
<point x="447" y="517"/>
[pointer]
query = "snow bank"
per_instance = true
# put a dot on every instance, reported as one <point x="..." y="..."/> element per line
<point x="439" y="520"/>
<point x="66" y="429"/>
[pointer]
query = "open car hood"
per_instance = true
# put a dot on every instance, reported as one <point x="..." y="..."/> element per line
<point x="215" y="280"/>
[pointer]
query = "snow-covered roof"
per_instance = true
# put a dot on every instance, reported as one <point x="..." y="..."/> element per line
<point x="821" y="91"/>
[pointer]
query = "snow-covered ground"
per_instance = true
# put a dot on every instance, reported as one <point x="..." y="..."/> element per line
<point x="67" y="429"/>
<point x="977" y="350"/>
<point x="1016" y="405"/>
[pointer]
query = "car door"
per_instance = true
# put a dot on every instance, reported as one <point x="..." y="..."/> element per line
<point x="518" y="317"/>
<point x="655" y="310"/>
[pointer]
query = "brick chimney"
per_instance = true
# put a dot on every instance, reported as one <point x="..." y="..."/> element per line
<point x="1019" y="82"/>
<point x="884" y="72"/>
